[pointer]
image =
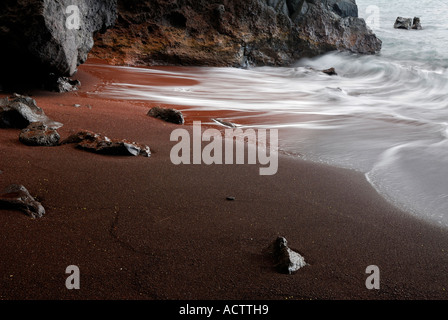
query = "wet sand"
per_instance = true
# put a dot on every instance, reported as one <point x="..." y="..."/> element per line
<point x="143" y="228"/>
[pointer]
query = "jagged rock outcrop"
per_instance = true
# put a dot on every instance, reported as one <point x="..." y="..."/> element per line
<point x="39" y="37"/>
<point x="232" y="33"/>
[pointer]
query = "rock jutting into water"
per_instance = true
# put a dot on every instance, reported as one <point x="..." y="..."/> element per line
<point x="285" y="260"/>
<point x="166" y="114"/>
<point x="17" y="197"/>
<point x="97" y="143"/>
<point x="40" y="37"/>
<point x="408" y="23"/>
<point x="21" y="111"/>
<point x="38" y="134"/>
<point x="233" y="33"/>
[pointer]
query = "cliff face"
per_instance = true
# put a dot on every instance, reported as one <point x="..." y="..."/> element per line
<point x="47" y="36"/>
<point x="232" y="32"/>
<point x="40" y="37"/>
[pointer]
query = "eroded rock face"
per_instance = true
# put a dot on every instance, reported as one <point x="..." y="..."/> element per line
<point x="17" y="197"/>
<point x="98" y="143"/>
<point x="21" y="111"/>
<point x="232" y="33"/>
<point x="39" y="36"/>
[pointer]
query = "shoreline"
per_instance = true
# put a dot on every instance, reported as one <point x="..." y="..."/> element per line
<point x="142" y="228"/>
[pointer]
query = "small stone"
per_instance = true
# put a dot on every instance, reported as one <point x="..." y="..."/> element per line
<point x="168" y="115"/>
<point x="17" y="197"/>
<point x="77" y="105"/>
<point x="285" y="260"/>
<point x="230" y="198"/>
<point x="225" y="123"/>
<point x="330" y="72"/>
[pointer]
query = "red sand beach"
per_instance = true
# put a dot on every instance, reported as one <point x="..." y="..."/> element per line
<point x="143" y="228"/>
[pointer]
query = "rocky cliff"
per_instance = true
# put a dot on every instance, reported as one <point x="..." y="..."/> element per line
<point x="39" y="37"/>
<point x="232" y="32"/>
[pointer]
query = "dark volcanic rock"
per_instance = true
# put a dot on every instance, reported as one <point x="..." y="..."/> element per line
<point x="38" y="134"/>
<point x="408" y="23"/>
<point x="17" y="197"/>
<point x="168" y="115"/>
<point x="98" y="143"/>
<point x="232" y="33"/>
<point x="330" y="72"/>
<point x="416" y="24"/>
<point x="21" y="111"/>
<point x="40" y="37"/>
<point x="403" y="23"/>
<point x="61" y="84"/>
<point x="285" y="260"/>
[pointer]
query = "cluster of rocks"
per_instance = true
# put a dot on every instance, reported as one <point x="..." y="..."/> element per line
<point x="37" y="129"/>
<point x="408" y="23"/>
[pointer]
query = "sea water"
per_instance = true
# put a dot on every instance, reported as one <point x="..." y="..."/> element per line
<point x="384" y="115"/>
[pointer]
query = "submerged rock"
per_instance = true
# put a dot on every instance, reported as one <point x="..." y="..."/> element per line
<point x="416" y="24"/>
<point x="17" y="197"/>
<point x="38" y="134"/>
<point x="98" y="143"/>
<point x="21" y="111"/>
<point x="330" y="72"/>
<point x="285" y="260"/>
<point x="408" y="23"/>
<point x="168" y="115"/>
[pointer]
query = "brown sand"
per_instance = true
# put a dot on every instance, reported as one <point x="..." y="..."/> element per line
<point x="143" y="228"/>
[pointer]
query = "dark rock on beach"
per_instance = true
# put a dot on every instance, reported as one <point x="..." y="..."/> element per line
<point x="21" y="111"/>
<point x="285" y="260"/>
<point x="166" y="114"/>
<point x="61" y="84"/>
<point x="39" y="134"/>
<point x="98" y="143"/>
<point x="40" y="37"/>
<point x="17" y="197"/>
